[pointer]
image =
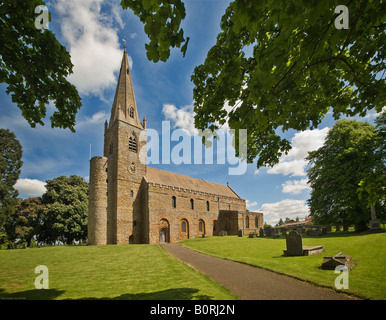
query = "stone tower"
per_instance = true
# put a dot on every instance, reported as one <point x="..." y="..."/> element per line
<point x="117" y="181"/>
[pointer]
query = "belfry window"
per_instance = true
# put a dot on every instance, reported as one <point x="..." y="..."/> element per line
<point x="133" y="143"/>
<point x="131" y="112"/>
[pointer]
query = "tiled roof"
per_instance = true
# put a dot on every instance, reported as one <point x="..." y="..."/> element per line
<point x="177" y="180"/>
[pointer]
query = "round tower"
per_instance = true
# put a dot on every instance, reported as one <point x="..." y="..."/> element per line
<point x="97" y="202"/>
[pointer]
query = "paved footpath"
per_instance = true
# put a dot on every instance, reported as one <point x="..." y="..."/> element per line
<point x="251" y="283"/>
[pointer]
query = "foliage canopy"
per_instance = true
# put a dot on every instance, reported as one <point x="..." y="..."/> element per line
<point x="34" y="65"/>
<point x="278" y="65"/>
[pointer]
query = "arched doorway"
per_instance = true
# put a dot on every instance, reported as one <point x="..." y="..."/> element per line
<point x="164" y="231"/>
<point x="184" y="229"/>
<point x="201" y="227"/>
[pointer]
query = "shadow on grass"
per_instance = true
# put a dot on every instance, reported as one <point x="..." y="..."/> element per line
<point x="43" y="294"/>
<point x="50" y="294"/>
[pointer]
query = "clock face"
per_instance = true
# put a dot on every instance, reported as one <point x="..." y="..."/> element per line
<point x="132" y="168"/>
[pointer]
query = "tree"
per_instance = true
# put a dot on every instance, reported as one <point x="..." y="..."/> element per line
<point x="301" y="65"/>
<point x="336" y="170"/>
<point x="35" y="65"/>
<point x="65" y="217"/>
<point x="10" y="164"/>
<point x="162" y="19"/>
<point x="373" y="185"/>
<point x="24" y="222"/>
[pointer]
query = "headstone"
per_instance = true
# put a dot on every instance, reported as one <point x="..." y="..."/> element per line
<point x="330" y="263"/>
<point x="251" y="235"/>
<point x="294" y="244"/>
<point x="240" y="233"/>
<point x="261" y="232"/>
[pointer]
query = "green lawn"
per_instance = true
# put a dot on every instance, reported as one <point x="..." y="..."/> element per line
<point x="367" y="279"/>
<point x="104" y="272"/>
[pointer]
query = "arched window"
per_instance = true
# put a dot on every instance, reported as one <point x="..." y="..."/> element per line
<point x="207" y="206"/>
<point x="183" y="226"/>
<point x="247" y="222"/>
<point x="191" y="204"/>
<point x="133" y="143"/>
<point x="174" y="202"/>
<point x="256" y="222"/>
<point x="131" y="112"/>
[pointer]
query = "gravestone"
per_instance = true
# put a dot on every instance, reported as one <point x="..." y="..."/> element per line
<point x="294" y="244"/>
<point x="240" y="233"/>
<point x="330" y="263"/>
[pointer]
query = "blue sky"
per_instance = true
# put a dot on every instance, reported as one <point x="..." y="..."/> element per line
<point x="92" y="31"/>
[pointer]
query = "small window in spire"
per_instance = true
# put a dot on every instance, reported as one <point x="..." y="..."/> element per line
<point x="131" y="112"/>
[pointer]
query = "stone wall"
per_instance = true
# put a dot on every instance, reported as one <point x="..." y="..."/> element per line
<point x="160" y="209"/>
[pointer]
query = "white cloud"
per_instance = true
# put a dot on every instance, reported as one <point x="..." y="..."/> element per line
<point x="295" y="186"/>
<point x="182" y="118"/>
<point x="294" y="162"/>
<point x="96" y="118"/>
<point x="251" y="204"/>
<point x="284" y="208"/>
<point x="93" y="42"/>
<point x="30" y="187"/>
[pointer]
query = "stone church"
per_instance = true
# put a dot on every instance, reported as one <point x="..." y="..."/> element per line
<point x="130" y="202"/>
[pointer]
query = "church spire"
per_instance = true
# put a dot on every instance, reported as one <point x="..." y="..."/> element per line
<point x="124" y="106"/>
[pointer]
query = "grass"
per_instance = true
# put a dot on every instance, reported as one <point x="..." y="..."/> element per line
<point x="134" y="272"/>
<point x="367" y="279"/>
